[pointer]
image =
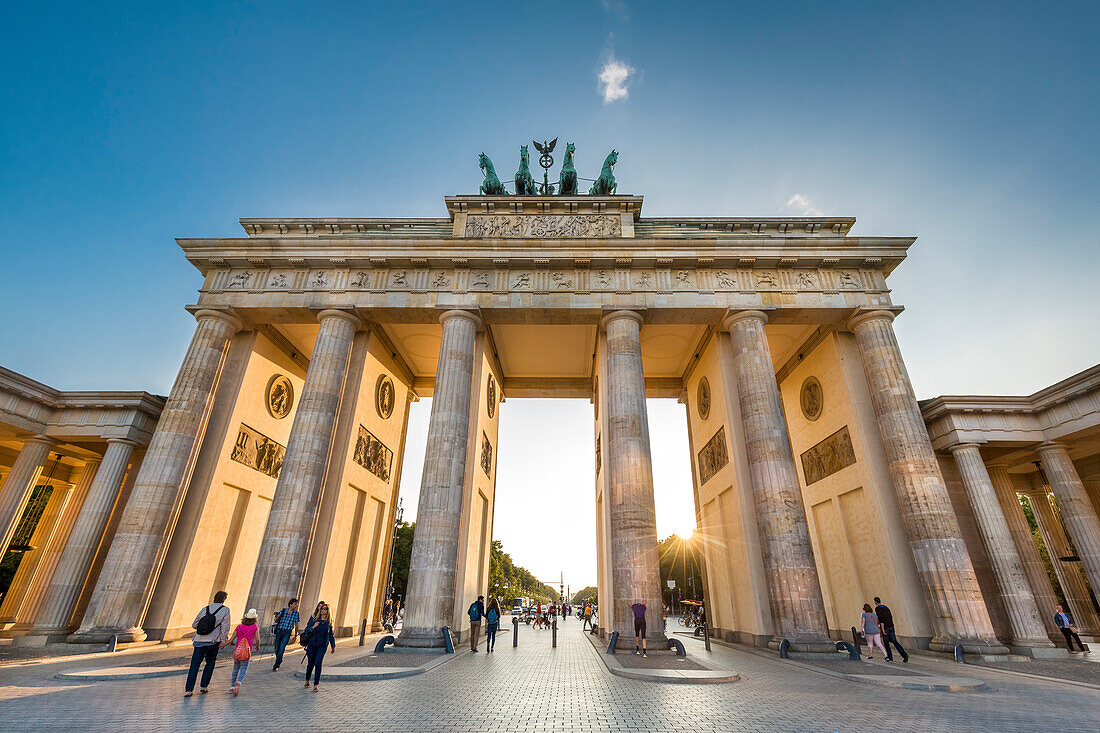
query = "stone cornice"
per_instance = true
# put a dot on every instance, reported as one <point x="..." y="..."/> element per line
<point x="755" y="252"/>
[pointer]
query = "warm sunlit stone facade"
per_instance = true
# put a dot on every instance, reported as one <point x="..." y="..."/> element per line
<point x="275" y="465"/>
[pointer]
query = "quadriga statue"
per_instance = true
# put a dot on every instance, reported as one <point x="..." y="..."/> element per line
<point x="525" y="183"/>
<point x="491" y="186"/>
<point x="605" y="185"/>
<point x="567" y="181"/>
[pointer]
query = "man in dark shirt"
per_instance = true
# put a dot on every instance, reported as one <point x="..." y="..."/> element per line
<point x="638" y="609"/>
<point x="886" y="621"/>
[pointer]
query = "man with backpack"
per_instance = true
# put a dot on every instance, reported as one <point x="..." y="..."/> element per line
<point x="285" y="628"/>
<point x="476" y="611"/>
<point x="211" y="627"/>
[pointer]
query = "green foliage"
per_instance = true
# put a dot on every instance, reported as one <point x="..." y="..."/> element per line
<point x="585" y="594"/>
<point x="680" y="559"/>
<point x="508" y="580"/>
<point x="402" y="551"/>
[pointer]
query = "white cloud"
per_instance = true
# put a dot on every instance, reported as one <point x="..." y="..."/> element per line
<point x="802" y="206"/>
<point x="614" y="80"/>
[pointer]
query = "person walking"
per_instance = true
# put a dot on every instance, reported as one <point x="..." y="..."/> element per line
<point x="286" y="628"/>
<point x="638" y="609"/>
<point x="475" y="611"/>
<point x="492" y="624"/>
<point x="211" y="627"/>
<point x="387" y="611"/>
<point x="1065" y="624"/>
<point x="886" y="622"/>
<point x="320" y="638"/>
<point x="872" y="631"/>
<point x="587" y="616"/>
<point x="243" y="639"/>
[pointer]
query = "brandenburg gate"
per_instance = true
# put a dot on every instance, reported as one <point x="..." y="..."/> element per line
<point x="274" y="469"/>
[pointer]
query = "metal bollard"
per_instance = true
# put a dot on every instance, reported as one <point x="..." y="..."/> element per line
<point x="853" y="653"/>
<point x="614" y="640"/>
<point x="855" y="639"/>
<point x="554" y="629"/>
<point x="706" y="636"/>
<point x="959" y="654"/>
<point x="784" y="649"/>
<point x="112" y="645"/>
<point x="363" y="633"/>
<point x="447" y="640"/>
<point x="515" y="631"/>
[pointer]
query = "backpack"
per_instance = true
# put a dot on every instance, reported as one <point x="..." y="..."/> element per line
<point x="307" y="633"/>
<point x="243" y="650"/>
<point x="491" y="615"/>
<point x="207" y="623"/>
<point x="474" y="612"/>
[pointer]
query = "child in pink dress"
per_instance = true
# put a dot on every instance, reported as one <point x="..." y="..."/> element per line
<point x="243" y="639"/>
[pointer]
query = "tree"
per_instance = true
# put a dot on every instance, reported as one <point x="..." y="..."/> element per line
<point x="585" y="594"/>
<point x="680" y="560"/>
<point x="402" y="552"/>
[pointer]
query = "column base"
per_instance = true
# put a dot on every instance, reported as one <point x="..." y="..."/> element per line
<point x="652" y="641"/>
<point x="430" y="638"/>
<point x="103" y="634"/>
<point x="980" y="647"/>
<point x="810" y="645"/>
<point x="1038" y="650"/>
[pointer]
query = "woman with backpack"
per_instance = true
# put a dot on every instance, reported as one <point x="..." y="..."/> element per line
<point x="317" y="639"/>
<point x="492" y="624"/>
<point x="243" y="639"/>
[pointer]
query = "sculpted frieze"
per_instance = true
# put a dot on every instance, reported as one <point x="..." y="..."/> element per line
<point x="550" y="276"/>
<point x="591" y="226"/>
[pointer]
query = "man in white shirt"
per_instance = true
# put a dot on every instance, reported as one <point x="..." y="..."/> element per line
<point x="210" y="636"/>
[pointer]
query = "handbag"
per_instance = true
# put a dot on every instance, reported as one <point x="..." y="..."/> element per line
<point x="242" y="652"/>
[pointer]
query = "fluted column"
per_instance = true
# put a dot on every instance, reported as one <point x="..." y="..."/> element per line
<point x="129" y="573"/>
<point x="635" y="565"/>
<point x="1023" y="613"/>
<point x="1070" y="574"/>
<point x="430" y="596"/>
<point x="52" y="552"/>
<point x="12" y="609"/>
<point x="55" y="613"/>
<point x="1038" y="580"/>
<point x="955" y="602"/>
<point x="19" y="484"/>
<point x="794" y="589"/>
<point x="284" y="549"/>
<point x="1077" y="511"/>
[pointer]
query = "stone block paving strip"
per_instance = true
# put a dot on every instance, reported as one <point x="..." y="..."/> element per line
<point x="536" y="688"/>
<point x="1075" y="670"/>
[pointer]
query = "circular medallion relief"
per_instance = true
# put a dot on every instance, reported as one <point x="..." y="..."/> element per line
<point x="491" y="396"/>
<point x="280" y="396"/>
<point x="384" y="397"/>
<point x="812" y="398"/>
<point x="702" y="398"/>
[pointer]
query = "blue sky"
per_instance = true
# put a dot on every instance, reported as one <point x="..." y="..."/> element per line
<point x="969" y="125"/>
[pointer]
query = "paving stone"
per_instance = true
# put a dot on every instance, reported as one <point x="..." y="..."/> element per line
<point x="536" y="688"/>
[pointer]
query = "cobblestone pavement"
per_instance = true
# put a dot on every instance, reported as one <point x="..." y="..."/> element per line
<point x="536" y="688"/>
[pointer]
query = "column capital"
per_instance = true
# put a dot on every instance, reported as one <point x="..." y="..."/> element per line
<point x="224" y="316"/>
<point x="964" y="446"/>
<point x="1051" y="446"/>
<point x="40" y="440"/>
<point x="459" y="313"/>
<point x="735" y="317"/>
<point x="348" y="316"/>
<point x="614" y="315"/>
<point x="124" y="441"/>
<point x="871" y="314"/>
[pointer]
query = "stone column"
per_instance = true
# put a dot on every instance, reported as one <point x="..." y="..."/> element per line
<point x="1036" y="571"/>
<point x="1077" y="511"/>
<point x="130" y="570"/>
<point x="57" y="607"/>
<point x="430" y="595"/>
<point x="955" y="602"/>
<point x="20" y="482"/>
<point x="285" y="546"/>
<point x="794" y="589"/>
<point x="635" y="568"/>
<point x="1028" y="631"/>
<point x="1070" y="574"/>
